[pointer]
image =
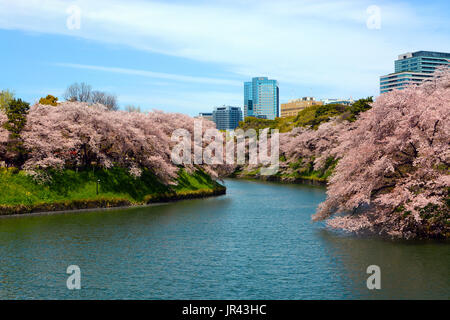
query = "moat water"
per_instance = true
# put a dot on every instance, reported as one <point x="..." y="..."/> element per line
<point x="256" y="242"/>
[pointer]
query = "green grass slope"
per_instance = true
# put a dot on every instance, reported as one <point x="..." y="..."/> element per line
<point x="69" y="189"/>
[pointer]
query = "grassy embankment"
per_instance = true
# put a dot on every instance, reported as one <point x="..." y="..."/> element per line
<point x="300" y="171"/>
<point x="70" y="190"/>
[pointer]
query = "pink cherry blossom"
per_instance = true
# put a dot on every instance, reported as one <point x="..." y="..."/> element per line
<point x="75" y="134"/>
<point x="394" y="162"/>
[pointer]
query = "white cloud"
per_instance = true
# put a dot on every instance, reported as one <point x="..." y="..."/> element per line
<point x="304" y="42"/>
<point x="151" y="74"/>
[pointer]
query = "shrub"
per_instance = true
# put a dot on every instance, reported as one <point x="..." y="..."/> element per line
<point x="49" y="100"/>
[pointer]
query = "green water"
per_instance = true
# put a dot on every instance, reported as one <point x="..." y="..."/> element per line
<point x="257" y="242"/>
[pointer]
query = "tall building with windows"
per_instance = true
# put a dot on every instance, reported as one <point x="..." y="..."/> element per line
<point x="227" y="117"/>
<point x="421" y="61"/>
<point x="261" y="98"/>
<point x="248" y="100"/>
<point x="413" y="68"/>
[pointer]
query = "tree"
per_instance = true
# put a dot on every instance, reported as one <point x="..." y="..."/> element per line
<point x="393" y="177"/>
<point x="5" y="97"/>
<point x="76" y="135"/>
<point x="78" y="92"/>
<point x="314" y="116"/>
<point x="307" y="152"/>
<point x="83" y="93"/>
<point x="50" y="100"/>
<point x="359" y="106"/>
<point x="16" y="112"/>
<point x="106" y="99"/>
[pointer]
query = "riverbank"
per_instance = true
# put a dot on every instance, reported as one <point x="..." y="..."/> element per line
<point x="282" y="179"/>
<point x="69" y="190"/>
<point x="198" y="194"/>
<point x="300" y="171"/>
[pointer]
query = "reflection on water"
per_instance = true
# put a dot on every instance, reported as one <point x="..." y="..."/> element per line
<point x="409" y="269"/>
<point x="257" y="242"/>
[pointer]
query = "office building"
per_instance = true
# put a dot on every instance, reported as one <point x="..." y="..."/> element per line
<point x="293" y="107"/>
<point x="261" y="98"/>
<point x="421" y="61"/>
<point x="205" y="115"/>
<point x="227" y="117"/>
<point x="413" y="68"/>
<point x="401" y="80"/>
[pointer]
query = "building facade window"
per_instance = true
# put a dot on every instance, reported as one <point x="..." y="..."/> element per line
<point x="413" y="68"/>
<point x="227" y="117"/>
<point x="261" y="98"/>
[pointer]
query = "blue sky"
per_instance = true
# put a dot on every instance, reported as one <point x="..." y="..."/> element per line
<point x="189" y="56"/>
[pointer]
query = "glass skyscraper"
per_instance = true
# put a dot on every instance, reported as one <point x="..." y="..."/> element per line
<point x="421" y="61"/>
<point x="261" y="98"/>
<point x="413" y="68"/>
<point x="227" y="117"/>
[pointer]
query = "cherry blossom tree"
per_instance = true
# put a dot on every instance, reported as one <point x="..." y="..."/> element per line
<point x="393" y="177"/>
<point x="79" y="135"/>
<point x="314" y="145"/>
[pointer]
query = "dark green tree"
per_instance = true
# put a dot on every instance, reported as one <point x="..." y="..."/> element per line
<point x="16" y="111"/>
<point x="359" y="106"/>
